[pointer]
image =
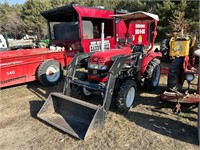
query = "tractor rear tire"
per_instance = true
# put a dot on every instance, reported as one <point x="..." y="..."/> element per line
<point x="173" y="79"/>
<point x="152" y="74"/>
<point x="50" y="72"/>
<point x="126" y="95"/>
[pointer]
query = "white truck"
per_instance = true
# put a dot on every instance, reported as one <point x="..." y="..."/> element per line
<point x="12" y="44"/>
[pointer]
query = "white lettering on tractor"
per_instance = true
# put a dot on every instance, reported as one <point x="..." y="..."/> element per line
<point x="140" y="29"/>
<point x="140" y="26"/>
<point x="96" y="45"/>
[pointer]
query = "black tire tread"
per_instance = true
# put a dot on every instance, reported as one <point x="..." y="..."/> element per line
<point x="122" y="94"/>
<point x="43" y="67"/>
<point x="148" y="74"/>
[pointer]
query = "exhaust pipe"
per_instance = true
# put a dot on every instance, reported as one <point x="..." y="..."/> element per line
<point x="102" y="36"/>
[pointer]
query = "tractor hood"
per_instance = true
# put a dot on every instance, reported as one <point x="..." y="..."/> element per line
<point x="109" y="55"/>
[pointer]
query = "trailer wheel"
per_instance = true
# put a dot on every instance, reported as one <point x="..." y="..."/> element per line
<point x="199" y="123"/>
<point x="174" y="78"/>
<point x="126" y="95"/>
<point x="152" y="74"/>
<point x="50" y="72"/>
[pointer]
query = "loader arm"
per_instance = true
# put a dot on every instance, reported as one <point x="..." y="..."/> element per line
<point x="71" y="71"/>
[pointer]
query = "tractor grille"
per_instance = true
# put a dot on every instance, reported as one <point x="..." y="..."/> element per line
<point x="97" y="73"/>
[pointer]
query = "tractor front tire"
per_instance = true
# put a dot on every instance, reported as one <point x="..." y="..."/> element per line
<point x="50" y="72"/>
<point x="126" y="95"/>
<point x="152" y="74"/>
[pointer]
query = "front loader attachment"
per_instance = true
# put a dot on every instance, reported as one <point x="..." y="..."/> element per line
<point x="76" y="117"/>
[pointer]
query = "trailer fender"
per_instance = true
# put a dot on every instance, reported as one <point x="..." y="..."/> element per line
<point x="147" y="59"/>
<point x="49" y="72"/>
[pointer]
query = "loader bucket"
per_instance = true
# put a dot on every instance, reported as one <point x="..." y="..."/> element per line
<point x="78" y="118"/>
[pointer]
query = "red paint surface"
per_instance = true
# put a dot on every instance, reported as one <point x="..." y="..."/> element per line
<point x="147" y="58"/>
<point x="134" y="32"/>
<point x="164" y="70"/>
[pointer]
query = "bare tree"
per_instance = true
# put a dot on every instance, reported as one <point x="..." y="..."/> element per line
<point x="13" y="24"/>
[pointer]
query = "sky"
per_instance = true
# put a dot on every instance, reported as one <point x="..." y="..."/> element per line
<point x="13" y="2"/>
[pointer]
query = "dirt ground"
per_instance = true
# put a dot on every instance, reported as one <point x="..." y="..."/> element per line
<point x="150" y="124"/>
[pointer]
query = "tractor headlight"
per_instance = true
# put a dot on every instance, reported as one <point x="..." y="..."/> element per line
<point x="190" y="77"/>
<point x="97" y="66"/>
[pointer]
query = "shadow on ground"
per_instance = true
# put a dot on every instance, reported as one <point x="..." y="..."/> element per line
<point x="165" y="126"/>
<point x="43" y="92"/>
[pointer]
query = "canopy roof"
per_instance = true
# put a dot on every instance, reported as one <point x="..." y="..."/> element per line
<point x="138" y="16"/>
<point x="69" y="12"/>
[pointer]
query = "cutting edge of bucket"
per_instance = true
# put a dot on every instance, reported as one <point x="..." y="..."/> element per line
<point x="97" y="123"/>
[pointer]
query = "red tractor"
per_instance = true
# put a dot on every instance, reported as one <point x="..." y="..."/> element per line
<point x="113" y="75"/>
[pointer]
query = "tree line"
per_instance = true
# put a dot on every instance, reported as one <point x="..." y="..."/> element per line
<point x="17" y="20"/>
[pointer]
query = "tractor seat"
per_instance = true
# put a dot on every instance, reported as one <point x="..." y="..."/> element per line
<point x="138" y="48"/>
<point x="197" y="52"/>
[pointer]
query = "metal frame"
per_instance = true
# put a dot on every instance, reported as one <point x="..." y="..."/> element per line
<point x="113" y="73"/>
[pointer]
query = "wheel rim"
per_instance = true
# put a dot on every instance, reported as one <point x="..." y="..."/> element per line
<point x="156" y="75"/>
<point x="130" y="97"/>
<point x="53" y="73"/>
<point x="86" y="92"/>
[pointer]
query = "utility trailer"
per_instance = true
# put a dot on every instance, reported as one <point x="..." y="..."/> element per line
<point x="72" y="29"/>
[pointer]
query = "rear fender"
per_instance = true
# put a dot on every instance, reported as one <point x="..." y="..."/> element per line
<point x="147" y="58"/>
